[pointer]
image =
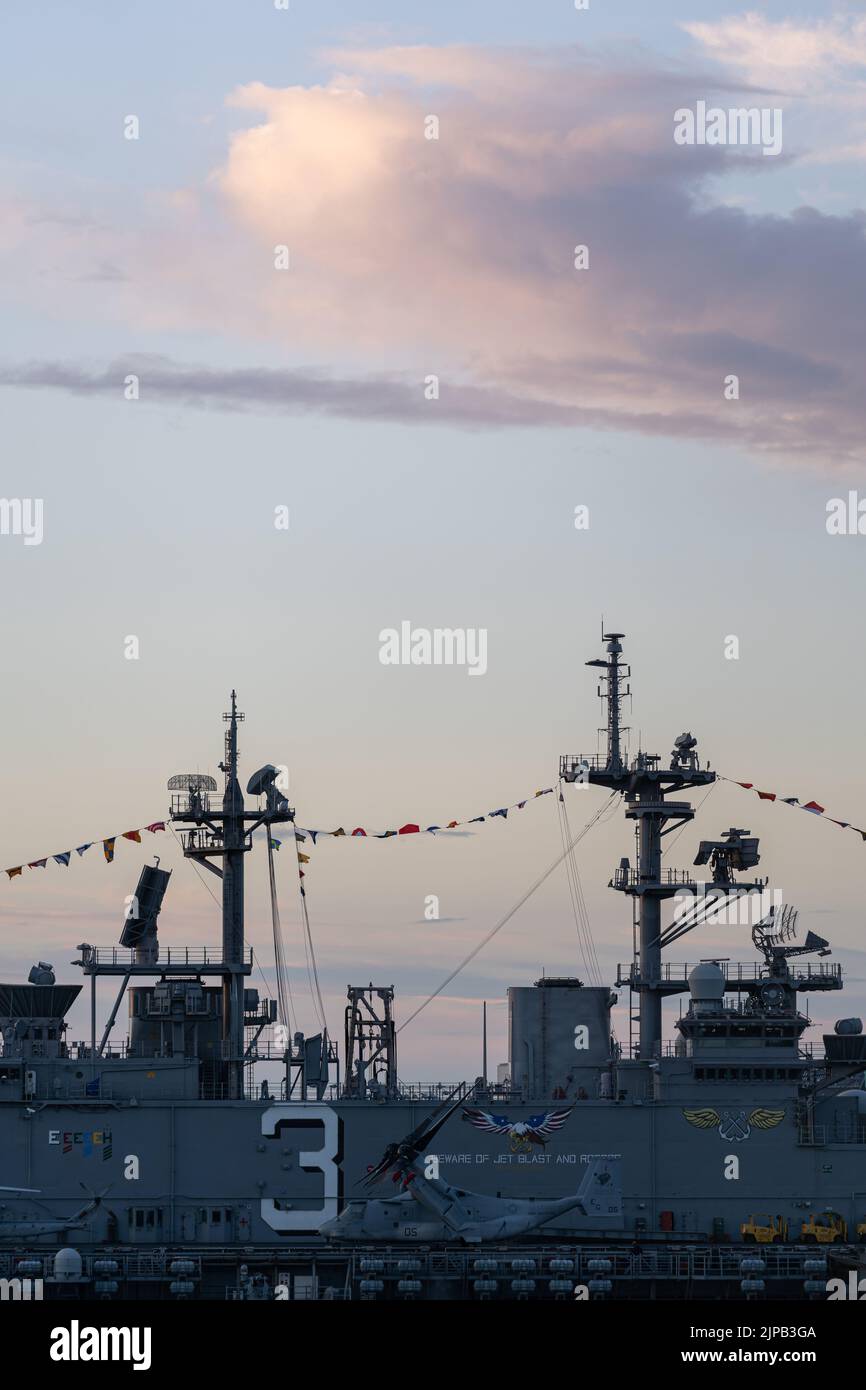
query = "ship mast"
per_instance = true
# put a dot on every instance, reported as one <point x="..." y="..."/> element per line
<point x="613" y="692"/>
<point x="233" y="887"/>
<point x="645" y="786"/>
<point x="227" y="836"/>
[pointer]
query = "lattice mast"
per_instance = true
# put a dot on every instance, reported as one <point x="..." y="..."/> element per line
<point x="225" y="837"/>
<point x="645" y="786"/>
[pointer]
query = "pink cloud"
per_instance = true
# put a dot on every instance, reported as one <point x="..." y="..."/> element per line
<point x="454" y="256"/>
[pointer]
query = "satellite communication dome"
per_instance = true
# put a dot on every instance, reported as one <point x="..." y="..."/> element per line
<point x="68" y="1265"/>
<point x="707" y="983"/>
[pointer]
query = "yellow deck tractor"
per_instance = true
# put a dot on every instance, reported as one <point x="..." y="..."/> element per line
<point x="764" y="1230"/>
<point x="823" y="1228"/>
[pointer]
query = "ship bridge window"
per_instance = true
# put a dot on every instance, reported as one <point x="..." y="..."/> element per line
<point x="145" y="1218"/>
<point x="217" y="1215"/>
<point x="195" y="1000"/>
<point x="747" y="1074"/>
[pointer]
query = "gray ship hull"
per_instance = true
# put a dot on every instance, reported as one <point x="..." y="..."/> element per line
<point x="199" y="1173"/>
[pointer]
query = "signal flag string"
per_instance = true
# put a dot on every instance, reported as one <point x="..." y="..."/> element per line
<point x="813" y="807"/>
<point x="302" y="833"/>
<point x="312" y="969"/>
<point x="108" y="845"/>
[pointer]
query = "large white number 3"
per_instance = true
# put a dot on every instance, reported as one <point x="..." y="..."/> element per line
<point x="322" y="1159"/>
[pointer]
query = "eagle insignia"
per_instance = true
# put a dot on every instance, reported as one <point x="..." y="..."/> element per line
<point x="522" y="1134"/>
<point x="734" y="1125"/>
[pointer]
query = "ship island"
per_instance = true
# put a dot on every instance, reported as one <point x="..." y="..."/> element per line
<point x="723" y="1162"/>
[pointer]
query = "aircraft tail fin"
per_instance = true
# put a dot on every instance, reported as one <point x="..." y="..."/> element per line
<point x="600" y="1192"/>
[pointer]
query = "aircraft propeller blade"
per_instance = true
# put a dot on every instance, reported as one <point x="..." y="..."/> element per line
<point x="402" y="1154"/>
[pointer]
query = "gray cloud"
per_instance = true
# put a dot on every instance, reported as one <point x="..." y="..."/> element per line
<point x="458" y="260"/>
<point x="372" y="398"/>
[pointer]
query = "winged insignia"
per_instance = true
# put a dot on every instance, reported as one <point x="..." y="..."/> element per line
<point x="734" y="1126"/>
<point x="766" y="1119"/>
<point x="522" y="1134"/>
<point x="702" y="1119"/>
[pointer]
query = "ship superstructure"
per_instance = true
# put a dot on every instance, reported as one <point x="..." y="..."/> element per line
<point x="166" y="1165"/>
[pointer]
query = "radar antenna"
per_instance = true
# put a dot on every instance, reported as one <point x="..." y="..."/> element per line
<point x="613" y="692"/>
<point x="772" y="936"/>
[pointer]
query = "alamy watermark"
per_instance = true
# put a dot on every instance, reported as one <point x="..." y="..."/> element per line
<point x="22" y="516"/>
<point x="740" y="125"/>
<point x="846" y="516"/>
<point x="77" y="1343"/>
<point x="853" y="1290"/>
<point x="745" y="909"/>
<point x="18" y="1290"/>
<point x="438" y="646"/>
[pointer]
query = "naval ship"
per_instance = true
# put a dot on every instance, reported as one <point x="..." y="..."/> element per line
<point x="727" y="1161"/>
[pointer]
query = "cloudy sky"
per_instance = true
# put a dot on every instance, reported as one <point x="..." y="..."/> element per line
<point x="281" y="260"/>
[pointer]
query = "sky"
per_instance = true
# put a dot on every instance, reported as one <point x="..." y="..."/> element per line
<point x="167" y="387"/>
